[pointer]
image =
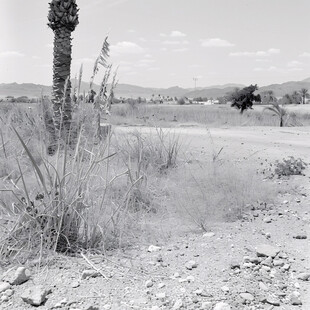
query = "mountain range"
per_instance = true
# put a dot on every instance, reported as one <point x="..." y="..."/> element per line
<point x="132" y="91"/>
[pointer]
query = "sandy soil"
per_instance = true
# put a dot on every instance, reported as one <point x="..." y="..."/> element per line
<point x="164" y="279"/>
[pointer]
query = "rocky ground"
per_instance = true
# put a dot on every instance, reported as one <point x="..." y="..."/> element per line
<point x="259" y="262"/>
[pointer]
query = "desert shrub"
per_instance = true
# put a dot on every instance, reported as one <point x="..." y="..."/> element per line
<point x="290" y="166"/>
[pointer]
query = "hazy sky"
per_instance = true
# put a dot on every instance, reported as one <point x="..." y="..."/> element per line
<point x="163" y="43"/>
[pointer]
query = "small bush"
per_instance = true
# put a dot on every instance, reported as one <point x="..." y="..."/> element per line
<point x="290" y="166"/>
<point x="181" y="101"/>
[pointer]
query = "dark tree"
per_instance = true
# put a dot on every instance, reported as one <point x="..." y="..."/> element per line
<point x="243" y="99"/>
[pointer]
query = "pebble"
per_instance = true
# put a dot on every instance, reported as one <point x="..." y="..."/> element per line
<point x="273" y="301"/>
<point x="191" y="264"/>
<point x="300" y="237"/>
<point x="161" y="285"/>
<point x="267" y="219"/>
<point x="178" y="304"/>
<point x="153" y="248"/>
<point x="304" y="276"/>
<point x="225" y="289"/>
<point x="247" y="296"/>
<point x="267" y="262"/>
<point x="222" y="306"/>
<point x="190" y="279"/>
<point x="278" y="262"/>
<point x="90" y="274"/>
<point x="263" y="286"/>
<point x="160" y="295"/>
<point x="149" y="283"/>
<point x="208" y="234"/>
<point x="4" y="286"/>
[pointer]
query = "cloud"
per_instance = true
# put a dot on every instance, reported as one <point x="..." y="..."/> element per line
<point x="153" y="69"/>
<point x="180" y="50"/>
<point x="305" y="54"/>
<point x="271" y="68"/>
<point x="35" y="57"/>
<point x="295" y="69"/>
<point x="126" y="47"/>
<point x="131" y="30"/>
<point x="176" y="33"/>
<point x="49" y="45"/>
<point x="271" y="51"/>
<point x="11" y="54"/>
<point x="173" y="42"/>
<point x="215" y="42"/>
<point x="294" y="63"/>
<point x="173" y="34"/>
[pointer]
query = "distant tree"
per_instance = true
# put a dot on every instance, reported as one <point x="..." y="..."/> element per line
<point x="304" y="94"/>
<point x="222" y="100"/>
<point x="243" y="99"/>
<point x="181" y="101"/>
<point x="268" y="97"/>
<point x="296" y="97"/>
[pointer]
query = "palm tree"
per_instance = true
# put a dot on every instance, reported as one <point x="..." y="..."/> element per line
<point x="63" y="18"/>
<point x="304" y="94"/>
<point x="281" y="112"/>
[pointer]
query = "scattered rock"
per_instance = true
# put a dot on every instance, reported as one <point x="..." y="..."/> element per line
<point x="90" y="274"/>
<point x="75" y="284"/>
<point x="225" y="289"/>
<point x="35" y="295"/>
<point x="222" y="306"/>
<point x="160" y="295"/>
<point x="267" y="262"/>
<point x="305" y="276"/>
<point x="149" y="283"/>
<point x="191" y="264"/>
<point x="273" y="301"/>
<point x="4" y="286"/>
<point x="247" y="296"/>
<point x="16" y="276"/>
<point x="278" y="262"/>
<point x="295" y="299"/>
<point x="178" y="304"/>
<point x="161" y="285"/>
<point x="234" y="265"/>
<point x="153" y="248"/>
<point x="267" y="250"/>
<point x="263" y="286"/>
<point x="267" y="219"/>
<point x="208" y="234"/>
<point x="300" y="237"/>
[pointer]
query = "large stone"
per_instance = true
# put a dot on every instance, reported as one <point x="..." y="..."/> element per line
<point x="16" y="276"/>
<point x="267" y="250"/>
<point x="35" y="295"/>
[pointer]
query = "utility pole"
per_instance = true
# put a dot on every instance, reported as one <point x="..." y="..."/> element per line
<point x="195" y="81"/>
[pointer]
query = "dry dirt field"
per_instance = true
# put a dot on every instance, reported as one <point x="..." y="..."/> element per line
<point x="261" y="261"/>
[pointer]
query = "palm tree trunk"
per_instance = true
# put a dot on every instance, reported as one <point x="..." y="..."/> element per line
<point x="61" y="73"/>
<point x="281" y="122"/>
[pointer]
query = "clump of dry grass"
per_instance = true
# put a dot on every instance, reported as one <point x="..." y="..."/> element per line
<point x="218" y="191"/>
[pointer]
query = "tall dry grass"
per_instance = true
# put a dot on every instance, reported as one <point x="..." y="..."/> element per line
<point x="128" y="188"/>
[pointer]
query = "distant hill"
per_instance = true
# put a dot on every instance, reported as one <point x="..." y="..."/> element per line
<point x="127" y="90"/>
